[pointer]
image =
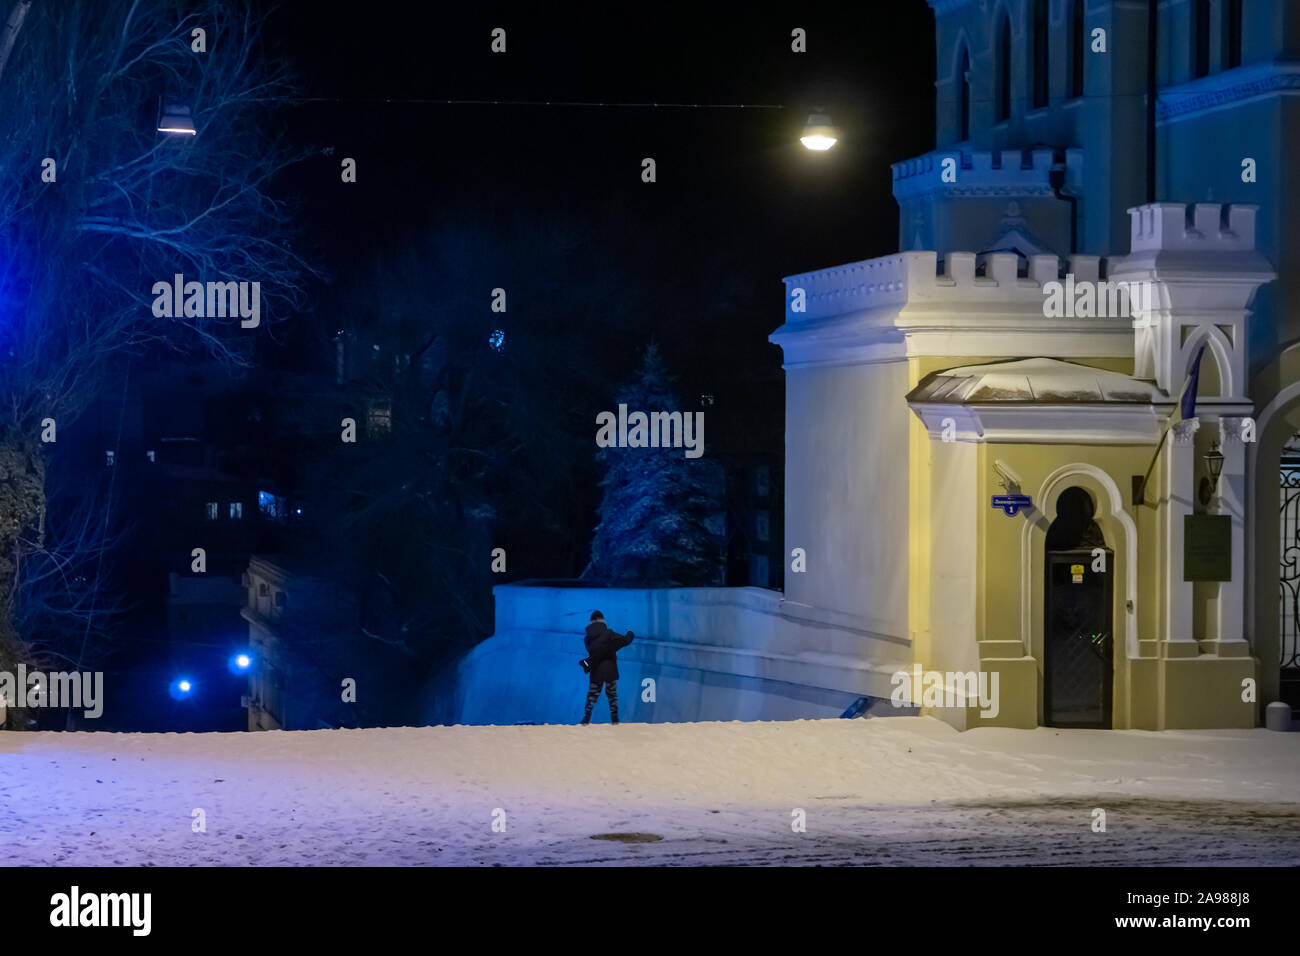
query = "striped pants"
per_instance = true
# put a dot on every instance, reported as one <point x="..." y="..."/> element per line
<point x="611" y="692"/>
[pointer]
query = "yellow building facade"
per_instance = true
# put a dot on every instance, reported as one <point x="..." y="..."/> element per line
<point x="965" y="471"/>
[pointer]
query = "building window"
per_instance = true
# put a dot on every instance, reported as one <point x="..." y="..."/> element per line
<point x="1201" y="35"/>
<point x="110" y="458"/>
<point x="211" y="509"/>
<point x="1078" y="48"/>
<point x="150" y="455"/>
<point x="379" y="418"/>
<point x="963" y="86"/>
<point x="1040" y="54"/>
<point x="236" y="510"/>
<point x="1232" y="35"/>
<point x="272" y="506"/>
<point x="1004" y="69"/>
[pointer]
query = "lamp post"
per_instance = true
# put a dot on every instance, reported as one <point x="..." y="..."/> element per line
<point x="819" y="133"/>
<point x="1214" y="465"/>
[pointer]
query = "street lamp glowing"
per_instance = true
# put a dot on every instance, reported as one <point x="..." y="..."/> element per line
<point x="819" y="134"/>
<point x="177" y="119"/>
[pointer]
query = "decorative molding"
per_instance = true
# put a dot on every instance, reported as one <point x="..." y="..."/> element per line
<point x="998" y="173"/>
<point x="1184" y="432"/>
<point x="1230" y="431"/>
<point x="1044" y="424"/>
<point x="1225" y="89"/>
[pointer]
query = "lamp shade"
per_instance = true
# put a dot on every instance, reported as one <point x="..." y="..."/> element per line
<point x="819" y="133"/>
<point x="1214" y="462"/>
<point x="177" y="119"/>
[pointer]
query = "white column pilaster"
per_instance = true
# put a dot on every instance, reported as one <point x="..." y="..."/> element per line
<point x="1179" y="487"/>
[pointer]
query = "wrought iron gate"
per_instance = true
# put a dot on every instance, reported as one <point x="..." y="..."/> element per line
<point x="1289" y="576"/>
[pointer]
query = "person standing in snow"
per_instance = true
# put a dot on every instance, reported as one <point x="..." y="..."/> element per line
<point x="601" y="664"/>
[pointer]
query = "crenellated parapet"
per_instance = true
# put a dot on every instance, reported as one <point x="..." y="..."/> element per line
<point x="958" y="304"/>
<point x="1201" y="227"/>
<point x="1201" y="259"/>
<point x="954" y="279"/>
<point x="1009" y="173"/>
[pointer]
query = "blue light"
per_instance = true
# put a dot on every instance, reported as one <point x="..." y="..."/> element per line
<point x="181" y="688"/>
<point x="239" y="662"/>
<point x="497" y="339"/>
<point x="242" y="661"/>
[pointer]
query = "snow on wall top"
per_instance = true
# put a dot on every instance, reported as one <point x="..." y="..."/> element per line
<point x="960" y="278"/>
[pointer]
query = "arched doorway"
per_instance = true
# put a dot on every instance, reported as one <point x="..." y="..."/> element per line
<point x="1273" y="604"/>
<point x="1078" y="638"/>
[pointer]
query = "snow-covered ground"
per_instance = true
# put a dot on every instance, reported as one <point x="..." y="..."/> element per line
<point x="886" y="791"/>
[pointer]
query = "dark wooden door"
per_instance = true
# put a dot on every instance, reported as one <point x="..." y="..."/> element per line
<point x="1078" y="645"/>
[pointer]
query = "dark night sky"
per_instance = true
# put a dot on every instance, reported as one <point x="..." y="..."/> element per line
<point x="736" y="193"/>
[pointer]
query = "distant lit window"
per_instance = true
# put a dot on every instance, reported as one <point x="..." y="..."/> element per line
<point x="150" y="455"/>
<point x="212" y="511"/>
<point x="110" y="458"/>
<point x="272" y="506"/>
<point x="379" y="418"/>
<point x="236" y="510"/>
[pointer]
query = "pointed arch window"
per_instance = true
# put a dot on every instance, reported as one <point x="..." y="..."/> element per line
<point x="963" y="92"/>
<point x="1040" y="54"/>
<point x="1232" y="35"/>
<point x="1201" y="38"/>
<point x="1004" y="69"/>
<point x="1078" y="50"/>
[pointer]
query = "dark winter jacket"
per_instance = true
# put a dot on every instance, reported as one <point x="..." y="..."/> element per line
<point x="603" y="646"/>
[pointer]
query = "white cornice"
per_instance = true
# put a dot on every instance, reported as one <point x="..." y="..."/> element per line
<point x="1066" y="424"/>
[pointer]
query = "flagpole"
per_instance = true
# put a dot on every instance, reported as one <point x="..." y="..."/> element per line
<point x="1184" y="411"/>
<point x="1142" y="493"/>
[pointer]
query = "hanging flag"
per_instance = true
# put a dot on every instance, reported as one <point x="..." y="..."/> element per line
<point x="1187" y="397"/>
<point x="1185" y="409"/>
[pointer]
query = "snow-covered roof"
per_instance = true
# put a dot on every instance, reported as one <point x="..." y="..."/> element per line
<point x="1044" y="381"/>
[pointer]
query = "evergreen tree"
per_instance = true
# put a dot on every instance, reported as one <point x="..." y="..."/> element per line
<point x="661" y="517"/>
